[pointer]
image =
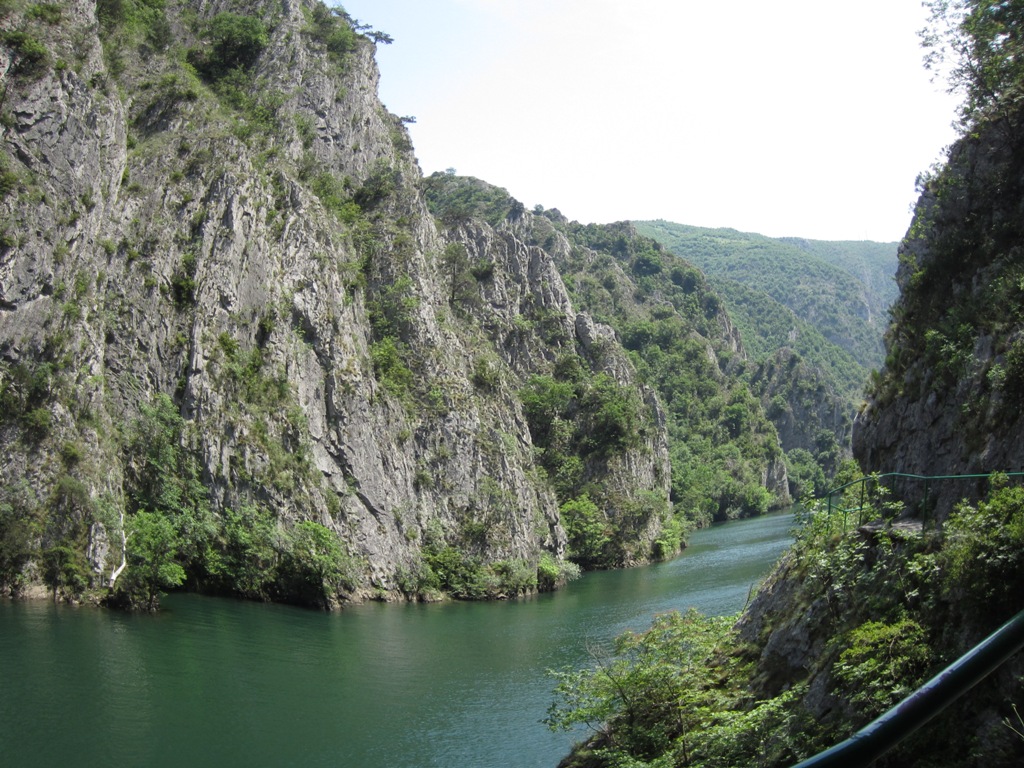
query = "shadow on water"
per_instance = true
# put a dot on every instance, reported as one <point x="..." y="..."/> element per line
<point x="219" y="682"/>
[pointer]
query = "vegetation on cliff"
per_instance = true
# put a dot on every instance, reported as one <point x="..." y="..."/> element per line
<point x="954" y="367"/>
<point x="850" y="623"/>
<point x="238" y="355"/>
<point x="726" y="460"/>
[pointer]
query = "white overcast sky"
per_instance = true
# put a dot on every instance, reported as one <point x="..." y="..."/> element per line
<point x="808" y="118"/>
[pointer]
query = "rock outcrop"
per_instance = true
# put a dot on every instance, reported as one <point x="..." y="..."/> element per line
<point x="948" y="400"/>
<point x="206" y="201"/>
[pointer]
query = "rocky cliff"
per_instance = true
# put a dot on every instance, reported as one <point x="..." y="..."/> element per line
<point x="948" y="399"/>
<point x="215" y="243"/>
<point x="807" y="412"/>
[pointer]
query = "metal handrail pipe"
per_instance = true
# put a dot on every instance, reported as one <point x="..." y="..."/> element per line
<point x="882" y="734"/>
<point x="868" y="478"/>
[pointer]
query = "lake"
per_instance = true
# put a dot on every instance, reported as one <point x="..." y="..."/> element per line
<point x="211" y="681"/>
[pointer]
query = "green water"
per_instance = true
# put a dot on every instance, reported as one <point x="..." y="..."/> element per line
<point x="223" y="683"/>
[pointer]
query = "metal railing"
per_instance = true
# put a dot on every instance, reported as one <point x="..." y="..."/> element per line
<point x="885" y="732"/>
<point x="878" y="737"/>
<point x="870" y="485"/>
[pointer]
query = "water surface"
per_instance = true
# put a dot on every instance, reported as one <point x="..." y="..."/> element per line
<point x="220" y="682"/>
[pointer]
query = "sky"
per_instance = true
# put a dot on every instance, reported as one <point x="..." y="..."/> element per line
<point x="807" y="118"/>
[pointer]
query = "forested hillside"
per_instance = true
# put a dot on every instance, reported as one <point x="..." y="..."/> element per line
<point x="726" y="458"/>
<point x="826" y="300"/>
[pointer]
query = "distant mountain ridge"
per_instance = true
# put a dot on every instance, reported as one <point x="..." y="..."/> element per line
<point x="828" y="300"/>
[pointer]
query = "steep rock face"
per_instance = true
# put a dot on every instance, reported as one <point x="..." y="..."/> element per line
<point x="254" y="246"/>
<point x="727" y="461"/>
<point x="807" y="413"/>
<point x="948" y="400"/>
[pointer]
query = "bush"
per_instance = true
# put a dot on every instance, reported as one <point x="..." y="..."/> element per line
<point x="456" y="573"/>
<point x="8" y="180"/>
<point x="31" y="55"/>
<point x="331" y="31"/>
<point x="249" y="555"/>
<point x="552" y="573"/>
<point x="65" y="571"/>
<point x="315" y="569"/>
<point x="235" y="42"/>
<point x="515" y="577"/>
<point x="390" y="369"/>
<point x="19" y="529"/>
<point x="486" y="373"/>
<point x="49" y="13"/>
<point x="122" y="20"/>
<point x="335" y="197"/>
<point x="183" y="282"/>
<point x="984" y="554"/>
<point x="881" y="664"/>
<point x="655" y="696"/>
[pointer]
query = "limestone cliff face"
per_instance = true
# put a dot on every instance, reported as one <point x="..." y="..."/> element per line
<point x="806" y="411"/>
<point x="260" y="252"/>
<point x="948" y="400"/>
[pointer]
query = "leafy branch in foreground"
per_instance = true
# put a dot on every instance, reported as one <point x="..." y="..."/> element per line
<point x="673" y="695"/>
<point x="976" y="43"/>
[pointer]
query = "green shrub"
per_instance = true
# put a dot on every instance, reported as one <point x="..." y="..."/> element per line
<point x="37" y="422"/>
<point x="250" y="554"/>
<point x="389" y="368"/>
<point x="881" y="664"/>
<point x="49" y="13"/>
<point x="655" y="696"/>
<point x="8" y="180"/>
<point x="486" y="373"/>
<point x="983" y="553"/>
<point x="31" y="55"/>
<point x="552" y="573"/>
<point x="183" y="282"/>
<point x="19" y="531"/>
<point x="315" y="569"/>
<point x="458" y="574"/>
<point x="336" y="198"/>
<point x="65" y="571"/>
<point x="326" y="27"/>
<point x="515" y="577"/>
<point x="234" y="42"/>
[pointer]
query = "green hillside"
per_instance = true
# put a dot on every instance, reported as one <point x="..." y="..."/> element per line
<point x="766" y="326"/>
<point x="836" y="293"/>
<point x="874" y="264"/>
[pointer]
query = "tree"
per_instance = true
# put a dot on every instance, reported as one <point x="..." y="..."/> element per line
<point x="19" y="528"/>
<point x="978" y="44"/>
<point x="314" y="568"/>
<point x="235" y="42"/>
<point x="588" y="530"/>
<point x="152" y="559"/>
<point x="250" y="550"/>
<point x="65" y="572"/>
<point x="163" y="477"/>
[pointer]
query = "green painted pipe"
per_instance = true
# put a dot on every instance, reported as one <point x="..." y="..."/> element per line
<point x="878" y="737"/>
